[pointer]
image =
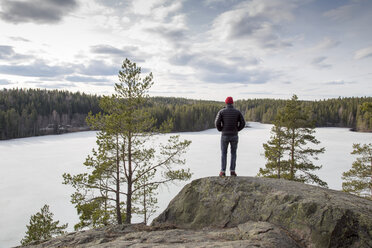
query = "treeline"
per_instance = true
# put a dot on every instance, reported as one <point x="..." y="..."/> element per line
<point x="187" y="115"/>
<point x="341" y="112"/>
<point x="32" y="112"/>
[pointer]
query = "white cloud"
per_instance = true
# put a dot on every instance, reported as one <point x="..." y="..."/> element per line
<point x="163" y="11"/>
<point x="341" y="13"/>
<point x="326" y="43"/>
<point x="320" y="63"/>
<point x="144" y="7"/>
<point x="256" y="21"/>
<point x="213" y="2"/>
<point x="4" y="82"/>
<point x="363" y="53"/>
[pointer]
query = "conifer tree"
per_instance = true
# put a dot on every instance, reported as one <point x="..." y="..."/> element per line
<point x="137" y="168"/>
<point x="97" y="196"/>
<point x="292" y="132"/>
<point x="42" y="227"/>
<point x="358" y="179"/>
<point x="299" y="132"/>
<point x="276" y="166"/>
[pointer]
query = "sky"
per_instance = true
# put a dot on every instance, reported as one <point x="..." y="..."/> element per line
<point x="199" y="49"/>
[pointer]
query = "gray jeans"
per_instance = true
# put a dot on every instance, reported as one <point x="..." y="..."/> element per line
<point x="225" y="141"/>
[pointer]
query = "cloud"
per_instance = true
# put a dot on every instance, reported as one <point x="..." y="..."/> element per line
<point x="130" y="52"/>
<point x="319" y="62"/>
<point x="126" y="52"/>
<point x="341" y="13"/>
<point x="14" y="38"/>
<point x="241" y="77"/>
<point x="4" y="82"/>
<point x="258" y="21"/>
<point x="36" y="11"/>
<point x="145" y="7"/>
<point x="327" y="43"/>
<point x="174" y="30"/>
<point x="54" y="85"/>
<point x="7" y="53"/>
<point x="37" y="69"/>
<point x="214" y="2"/>
<point x="169" y="33"/>
<point x="41" y="69"/>
<point x="99" y="68"/>
<point x="340" y="82"/>
<point x="216" y="71"/>
<point x="221" y="69"/>
<point x="157" y="9"/>
<point x="84" y="79"/>
<point x="363" y="53"/>
<point x="200" y="60"/>
<point x="181" y="58"/>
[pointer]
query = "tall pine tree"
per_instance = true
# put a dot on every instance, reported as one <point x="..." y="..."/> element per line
<point x="292" y="132"/>
<point x="135" y="168"/>
<point x="276" y="166"/>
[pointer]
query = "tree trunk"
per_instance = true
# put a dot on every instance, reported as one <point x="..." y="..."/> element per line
<point x="370" y="182"/>
<point x="129" y="183"/>
<point x="292" y="155"/>
<point x="144" y="205"/>
<point x="128" y="218"/>
<point x="118" y="210"/>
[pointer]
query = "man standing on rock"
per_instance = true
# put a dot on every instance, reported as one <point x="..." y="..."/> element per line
<point x="230" y="121"/>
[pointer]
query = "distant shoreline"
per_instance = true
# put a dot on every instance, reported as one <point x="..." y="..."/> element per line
<point x="87" y="129"/>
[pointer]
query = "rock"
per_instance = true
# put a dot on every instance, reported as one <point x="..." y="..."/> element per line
<point x="313" y="216"/>
<point x="242" y="212"/>
<point x="250" y="234"/>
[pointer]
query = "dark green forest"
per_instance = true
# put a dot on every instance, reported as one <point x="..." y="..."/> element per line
<point x="33" y="112"/>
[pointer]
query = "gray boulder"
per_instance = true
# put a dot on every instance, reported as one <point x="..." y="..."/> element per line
<point x="312" y="216"/>
<point x="251" y="234"/>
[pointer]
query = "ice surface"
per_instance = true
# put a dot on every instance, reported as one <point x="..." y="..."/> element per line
<point x="32" y="168"/>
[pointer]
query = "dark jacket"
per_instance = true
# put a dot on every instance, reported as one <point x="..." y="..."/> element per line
<point x="229" y="120"/>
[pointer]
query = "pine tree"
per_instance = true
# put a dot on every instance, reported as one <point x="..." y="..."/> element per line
<point x="292" y="132"/>
<point x="136" y="167"/>
<point x="299" y="132"/>
<point x="358" y="179"/>
<point x="97" y="196"/>
<point x="276" y="166"/>
<point x="42" y="227"/>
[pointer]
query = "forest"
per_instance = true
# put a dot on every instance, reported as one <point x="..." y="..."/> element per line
<point x="34" y="112"/>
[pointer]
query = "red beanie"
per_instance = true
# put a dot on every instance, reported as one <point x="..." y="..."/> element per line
<point x="229" y="100"/>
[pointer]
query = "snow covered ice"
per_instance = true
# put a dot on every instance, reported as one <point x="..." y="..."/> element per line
<point x="32" y="168"/>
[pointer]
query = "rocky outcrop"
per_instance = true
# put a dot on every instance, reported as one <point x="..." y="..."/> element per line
<point x="242" y="212"/>
<point x="313" y="216"/>
<point x="250" y="234"/>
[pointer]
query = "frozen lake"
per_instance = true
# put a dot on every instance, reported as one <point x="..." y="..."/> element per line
<point x="32" y="168"/>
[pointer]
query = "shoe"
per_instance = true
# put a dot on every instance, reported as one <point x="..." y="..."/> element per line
<point x="222" y="174"/>
<point x="233" y="174"/>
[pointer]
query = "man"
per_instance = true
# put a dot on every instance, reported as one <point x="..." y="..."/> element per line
<point x="230" y="121"/>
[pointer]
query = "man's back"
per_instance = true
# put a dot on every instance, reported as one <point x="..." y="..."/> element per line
<point x="229" y="120"/>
